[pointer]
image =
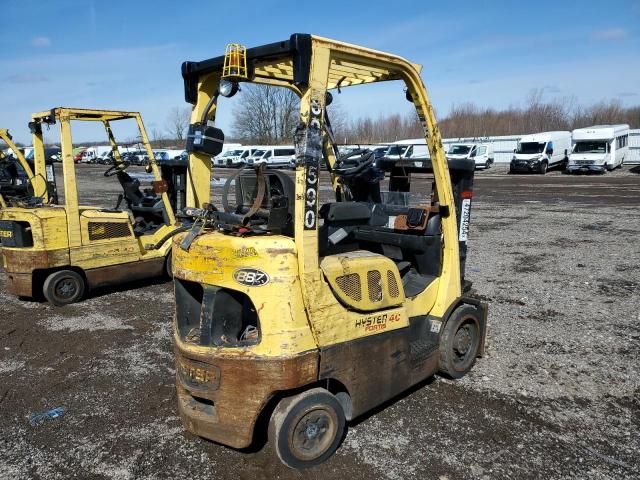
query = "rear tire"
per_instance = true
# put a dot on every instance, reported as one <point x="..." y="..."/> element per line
<point x="64" y="287"/>
<point x="305" y="430"/>
<point x="168" y="265"/>
<point x="460" y="342"/>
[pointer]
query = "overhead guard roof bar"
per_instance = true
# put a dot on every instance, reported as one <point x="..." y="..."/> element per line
<point x="297" y="49"/>
<point x="290" y="60"/>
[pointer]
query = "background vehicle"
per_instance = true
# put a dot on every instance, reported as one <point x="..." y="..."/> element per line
<point x="480" y="153"/>
<point x="91" y="154"/>
<point x="235" y="157"/>
<point x="540" y="151"/>
<point x="77" y="154"/>
<point x="167" y="155"/>
<point x="599" y="148"/>
<point x="312" y="315"/>
<point x="136" y="157"/>
<point x="62" y="251"/>
<point x="274" y="157"/>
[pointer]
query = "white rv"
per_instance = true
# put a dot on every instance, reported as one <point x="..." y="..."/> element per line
<point x="539" y="151"/>
<point x="599" y="148"/>
<point x="279" y="156"/>
<point x="235" y="157"/>
<point x="480" y="153"/>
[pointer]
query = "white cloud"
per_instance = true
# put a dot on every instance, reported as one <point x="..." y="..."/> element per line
<point x="41" y="42"/>
<point x="610" y="34"/>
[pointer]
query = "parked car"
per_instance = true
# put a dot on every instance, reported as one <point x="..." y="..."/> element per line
<point x="599" y="148"/>
<point x="135" y="157"/>
<point x="274" y="157"/>
<point x="77" y="154"/>
<point x="480" y="153"/>
<point x="541" y="151"/>
<point x="236" y="157"/>
<point x="51" y="154"/>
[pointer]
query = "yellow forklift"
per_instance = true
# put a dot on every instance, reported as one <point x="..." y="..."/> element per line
<point x="303" y="316"/>
<point x="62" y="251"/>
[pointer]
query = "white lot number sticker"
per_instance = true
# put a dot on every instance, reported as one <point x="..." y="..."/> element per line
<point x="435" y="326"/>
<point x="465" y="214"/>
<point x="251" y="277"/>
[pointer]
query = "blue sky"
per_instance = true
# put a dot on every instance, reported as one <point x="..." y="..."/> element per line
<point x="127" y="55"/>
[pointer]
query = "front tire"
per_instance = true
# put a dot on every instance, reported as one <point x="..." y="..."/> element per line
<point x="543" y="167"/>
<point x="460" y="342"/>
<point x="305" y="430"/>
<point x="63" y="287"/>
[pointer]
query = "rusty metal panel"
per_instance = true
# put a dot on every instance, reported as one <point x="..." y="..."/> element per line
<point x="125" y="272"/>
<point x="376" y="368"/>
<point x="221" y="399"/>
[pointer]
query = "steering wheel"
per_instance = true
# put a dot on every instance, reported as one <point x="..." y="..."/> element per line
<point x="354" y="162"/>
<point x="116" y="168"/>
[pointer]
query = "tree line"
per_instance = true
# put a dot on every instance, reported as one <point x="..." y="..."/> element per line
<point x="264" y="117"/>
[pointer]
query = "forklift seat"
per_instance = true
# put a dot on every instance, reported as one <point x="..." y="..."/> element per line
<point x="374" y="227"/>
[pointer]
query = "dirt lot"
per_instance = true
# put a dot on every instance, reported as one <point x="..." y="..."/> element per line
<point x="557" y="396"/>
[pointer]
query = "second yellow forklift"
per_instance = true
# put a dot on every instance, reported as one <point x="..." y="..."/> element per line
<point x="62" y="251"/>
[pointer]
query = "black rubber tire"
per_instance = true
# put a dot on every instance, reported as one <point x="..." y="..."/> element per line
<point x="286" y="423"/>
<point x="454" y="363"/>
<point x="487" y="165"/>
<point x="544" y="166"/>
<point x="64" y="287"/>
<point x="168" y="265"/>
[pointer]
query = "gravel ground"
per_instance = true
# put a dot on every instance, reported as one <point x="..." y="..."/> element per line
<point x="556" y="396"/>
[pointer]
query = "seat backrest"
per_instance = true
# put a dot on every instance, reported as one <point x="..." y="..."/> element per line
<point x="130" y="188"/>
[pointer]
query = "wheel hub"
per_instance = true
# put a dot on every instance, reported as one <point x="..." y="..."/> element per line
<point x="462" y="341"/>
<point x="65" y="288"/>
<point x="312" y="430"/>
<point x="313" y="434"/>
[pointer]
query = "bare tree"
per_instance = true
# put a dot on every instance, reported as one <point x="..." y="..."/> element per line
<point x="177" y="122"/>
<point x="265" y="114"/>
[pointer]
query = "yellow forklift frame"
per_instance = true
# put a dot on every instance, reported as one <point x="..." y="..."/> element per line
<point x="325" y="337"/>
<point x="38" y="182"/>
<point x="63" y="250"/>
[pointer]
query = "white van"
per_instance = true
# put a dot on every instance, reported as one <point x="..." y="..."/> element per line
<point x="91" y="154"/>
<point x="599" y="148"/>
<point x="416" y="153"/>
<point x="539" y="151"/>
<point x="235" y="157"/>
<point x="279" y="156"/>
<point x="480" y="153"/>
